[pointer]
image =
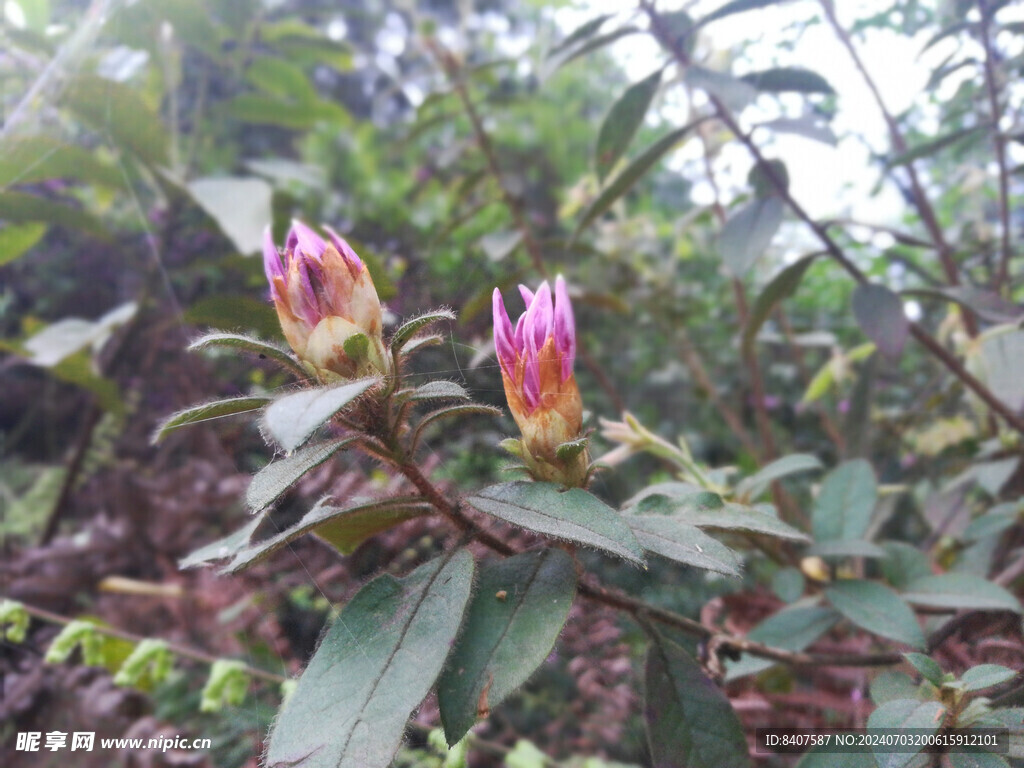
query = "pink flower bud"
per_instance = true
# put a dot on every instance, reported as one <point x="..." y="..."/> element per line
<point x="536" y="360"/>
<point x="326" y="301"/>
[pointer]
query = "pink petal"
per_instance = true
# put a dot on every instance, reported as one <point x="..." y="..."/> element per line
<point x="565" y="328"/>
<point x="345" y="250"/>
<point x="310" y="244"/>
<point x="271" y="260"/>
<point x="527" y="295"/>
<point x="504" y="344"/>
<point x="540" y="316"/>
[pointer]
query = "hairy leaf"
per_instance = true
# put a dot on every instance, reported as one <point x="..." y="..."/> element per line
<point x="345" y="528"/>
<point x="669" y="537"/>
<point x="373" y="668"/>
<point x="263" y="349"/>
<point x="571" y="514"/>
<point x="690" y="723"/>
<point x="209" y="411"/>
<point x="513" y="620"/>
<point x="411" y="327"/>
<point x="291" y="420"/>
<point x="273" y="480"/>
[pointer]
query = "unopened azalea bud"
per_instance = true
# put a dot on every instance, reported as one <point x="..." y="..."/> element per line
<point x="536" y="361"/>
<point x="328" y="307"/>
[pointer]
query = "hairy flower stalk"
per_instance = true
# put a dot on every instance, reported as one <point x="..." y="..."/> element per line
<point x="328" y="307"/>
<point x="536" y="361"/>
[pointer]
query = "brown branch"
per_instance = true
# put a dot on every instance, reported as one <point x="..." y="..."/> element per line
<point x="781" y="188"/>
<point x="921" y="201"/>
<point x="698" y="370"/>
<point x="991" y="85"/>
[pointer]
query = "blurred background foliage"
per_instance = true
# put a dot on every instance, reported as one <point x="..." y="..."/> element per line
<point x="456" y="145"/>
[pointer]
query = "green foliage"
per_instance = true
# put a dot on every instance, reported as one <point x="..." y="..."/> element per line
<point x="374" y="666"/>
<point x="570" y="514"/>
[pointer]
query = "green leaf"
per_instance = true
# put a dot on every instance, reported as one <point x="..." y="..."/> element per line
<point x="373" y="668"/>
<point x="880" y="315"/>
<point x="258" y="347"/>
<point x="989" y="306"/>
<point x="356" y="347"/>
<point x="410" y="328"/>
<point x="571" y="514"/>
<point x="240" y="206"/>
<point x="229" y="311"/>
<point x="753" y="486"/>
<point x="890" y="685"/>
<point x="450" y="412"/>
<point x="845" y="502"/>
<point x="570" y="450"/>
<point x="690" y="723"/>
<point x="904" y="713"/>
<point x="734" y="94"/>
<point x="280" y="78"/>
<point x="513" y="620"/>
<point x="17" y="239"/>
<point x="877" y="609"/>
<point x="439" y="390"/>
<point x="748" y="232"/>
<point x="117" y="111"/>
<point x="273" y="480"/>
<point x="675" y="540"/>
<point x="927" y="666"/>
<point x="209" y="411"/>
<point x="632" y="173"/>
<point x="791" y="629"/>
<point x="931" y="147"/>
<point x="735" y="6"/>
<point x="985" y="676"/>
<point x="291" y="420"/>
<point x="954" y="591"/>
<point x="581" y="33"/>
<point x="621" y="123"/>
<point x="30" y="159"/>
<point x="904" y="563"/>
<point x="556" y="61"/>
<point x="976" y="757"/>
<point x="223" y="548"/>
<point x="691" y="508"/>
<point x="827" y="757"/>
<point x="781" y="287"/>
<point x="345" y="528"/>
<point x="22" y="207"/>
<point x="788" y="584"/>
<point x="846" y="548"/>
<point x="780" y="79"/>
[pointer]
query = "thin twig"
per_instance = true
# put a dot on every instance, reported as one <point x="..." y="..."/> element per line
<point x="921" y="201"/>
<point x="991" y="85"/>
